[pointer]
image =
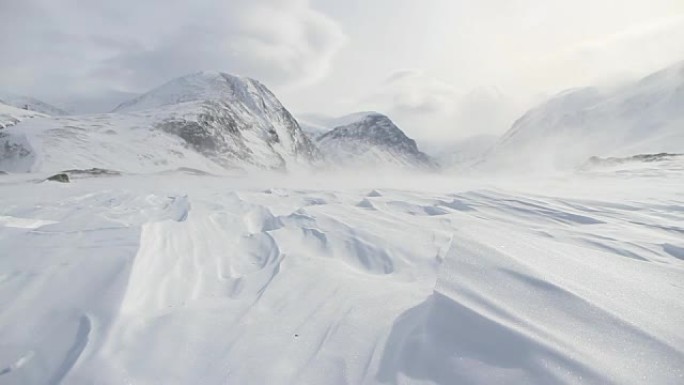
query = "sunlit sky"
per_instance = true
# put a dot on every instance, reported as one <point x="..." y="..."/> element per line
<point x="442" y="69"/>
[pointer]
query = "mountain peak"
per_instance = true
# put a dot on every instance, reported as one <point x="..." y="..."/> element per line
<point x="372" y="138"/>
<point x="201" y="86"/>
<point x="373" y="127"/>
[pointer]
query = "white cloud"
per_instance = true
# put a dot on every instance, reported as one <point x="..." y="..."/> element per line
<point x="430" y="109"/>
<point x="135" y="44"/>
<point x="626" y="54"/>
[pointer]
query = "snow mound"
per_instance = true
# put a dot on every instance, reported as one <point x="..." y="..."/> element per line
<point x="180" y="279"/>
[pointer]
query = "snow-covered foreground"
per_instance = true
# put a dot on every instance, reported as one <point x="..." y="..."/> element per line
<point x="182" y="279"/>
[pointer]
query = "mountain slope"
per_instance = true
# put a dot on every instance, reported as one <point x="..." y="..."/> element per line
<point x="643" y="117"/>
<point x="128" y="143"/>
<point x="31" y="104"/>
<point x="238" y="121"/>
<point x="201" y="120"/>
<point x="10" y="115"/>
<point x="371" y="139"/>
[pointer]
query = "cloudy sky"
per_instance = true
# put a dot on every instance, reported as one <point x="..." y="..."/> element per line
<point x="443" y="69"/>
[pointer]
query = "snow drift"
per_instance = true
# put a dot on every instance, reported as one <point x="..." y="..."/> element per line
<point x="180" y="279"/>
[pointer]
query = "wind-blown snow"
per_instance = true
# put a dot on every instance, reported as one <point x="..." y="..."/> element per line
<point x="160" y="264"/>
<point x="639" y="118"/>
<point x="460" y="155"/>
<point x="179" y="279"/>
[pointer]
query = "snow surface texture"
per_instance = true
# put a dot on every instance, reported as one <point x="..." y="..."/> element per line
<point x="209" y="121"/>
<point x="180" y="279"/>
<point x="641" y="118"/>
<point x="370" y="140"/>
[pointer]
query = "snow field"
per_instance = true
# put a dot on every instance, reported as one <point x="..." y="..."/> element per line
<point x="181" y="279"/>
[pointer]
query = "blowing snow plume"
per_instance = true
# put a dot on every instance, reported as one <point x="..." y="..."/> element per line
<point x="564" y="132"/>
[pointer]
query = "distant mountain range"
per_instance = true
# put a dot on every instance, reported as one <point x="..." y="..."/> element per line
<point x="208" y="120"/>
<point x="214" y="122"/>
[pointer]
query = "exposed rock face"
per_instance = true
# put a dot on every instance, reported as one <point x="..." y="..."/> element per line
<point x="641" y="158"/>
<point x="61" y="177"/>
<point x="92" y="172"/>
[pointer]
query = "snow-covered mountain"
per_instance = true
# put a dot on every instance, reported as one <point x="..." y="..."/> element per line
<point x="644" y="117"/>
<point x="31" y="104"/>
<point x="207" y="120"/>
<point x="316" y="125"/>
<point x="10" y="115"/>
<point x="236" y="120"/>
<point x="371" y="139"/>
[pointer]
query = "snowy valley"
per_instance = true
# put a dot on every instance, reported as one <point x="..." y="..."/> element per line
<point x="206" y="237"/>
